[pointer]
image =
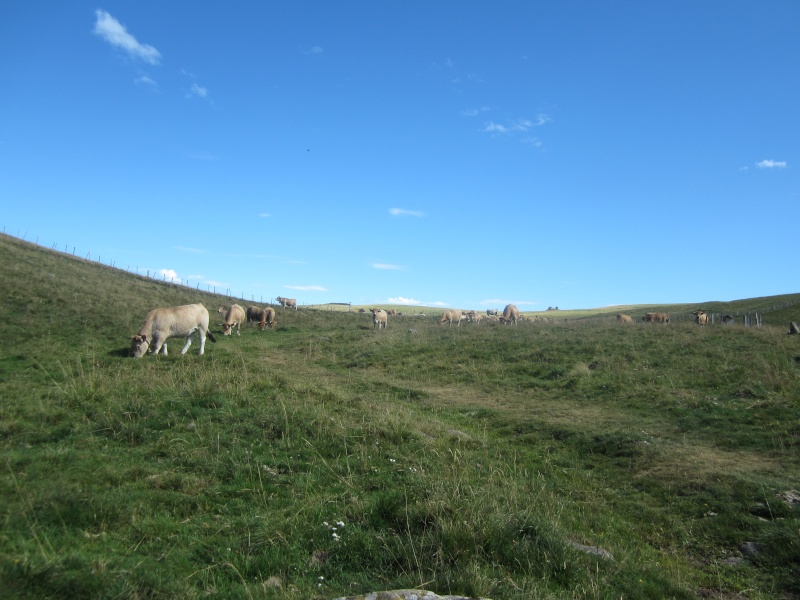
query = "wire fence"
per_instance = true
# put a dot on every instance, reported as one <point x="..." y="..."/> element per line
<point x="160" y="276"/>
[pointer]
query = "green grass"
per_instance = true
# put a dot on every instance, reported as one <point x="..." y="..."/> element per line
<point x="464" y="460"/>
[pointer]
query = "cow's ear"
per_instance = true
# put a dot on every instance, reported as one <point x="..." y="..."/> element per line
<point x="144" y="338"/>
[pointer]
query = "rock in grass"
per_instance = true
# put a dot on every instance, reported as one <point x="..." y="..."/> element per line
<point x="406" y="595"/>
<point x="593" y="550"/>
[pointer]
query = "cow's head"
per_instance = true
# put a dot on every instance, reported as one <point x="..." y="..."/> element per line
<point x="263" y="325"/>
<point x="227" y="328"/>
<point x="139" y="346"/>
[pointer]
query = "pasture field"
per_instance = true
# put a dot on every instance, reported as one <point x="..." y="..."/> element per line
<point x="577" y="458"/>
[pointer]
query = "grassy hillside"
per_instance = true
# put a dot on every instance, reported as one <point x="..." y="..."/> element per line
<point x="576" y="458"/>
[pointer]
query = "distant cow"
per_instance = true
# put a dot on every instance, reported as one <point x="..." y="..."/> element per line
<point x="624" y="318"/>
<point x="379" y="317"/>
<point x="176" y="321"/>
<point x="510" y="315"/>
<point x="727" y="319"/>
<point x="287" y="302"/>
<point x="391" y="312"/>
<point x="222" y="310"/>
<point x="451" y="316"/>
<point x="233" y="318"/>
<point x="491" y="312"/>
<point x="265" y="317"/>
<point x="656" y="318"/>
<point x="700" y="317"/>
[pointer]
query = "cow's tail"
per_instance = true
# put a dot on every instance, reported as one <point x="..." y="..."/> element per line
<point x="210" y="336"/>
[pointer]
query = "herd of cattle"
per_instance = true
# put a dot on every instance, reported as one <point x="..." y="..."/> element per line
<point x="162" y="324"/>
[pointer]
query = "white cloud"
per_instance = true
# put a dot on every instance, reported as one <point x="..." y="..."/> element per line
<point x="169" y="274"/>
<point x="145" y="80"/>
<point x="307" y="288"/>
<point x="218" y="284"/>
<point x="112" y="31"/>
<point x="388" y="267"/>
<point x="771" y="164"/>
<point x="518" y="126"/>
<point x="315" y="50"/>
<point x="400" y="212"/>
<point x="264" y="215"/>
<point x="474" y="112"/>
<point x="406" y="301"/>
<point x="197" y="91"/>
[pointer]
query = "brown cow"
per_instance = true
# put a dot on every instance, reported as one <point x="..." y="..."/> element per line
<point x="624" y="318"/>
<point x="233" y="318"/>
<point x="700" y="317"/>
<point x="379" y="317"/>
<point x="265" y="317"/>
<point x="510" y="315"/>
<point x="175" y="321"/>
<point x="656" y="318"/>
<point x="451" y="316"/>
<point x="287" y="302"/>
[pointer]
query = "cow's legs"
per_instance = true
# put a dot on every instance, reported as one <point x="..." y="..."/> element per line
<point x="188" y="343"/>
<point x="202" y="342"/>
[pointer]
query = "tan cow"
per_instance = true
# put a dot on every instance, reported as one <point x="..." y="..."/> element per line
<point x="287" y="302"/>
<point x="450" y="316"/>
<point x="175" y="321"/>
<point x="700" y="317"/>
<point x="510" y="315"/>
<point x="265" y="317"/>
<point x="233" y="318"/>
<point x="221" y="310"/>
<point x="656" y="318"/>
<point x="379" y="317"/>
<point x="624" y="318"/>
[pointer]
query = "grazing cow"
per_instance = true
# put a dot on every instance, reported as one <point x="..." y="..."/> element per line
<point x="624" y="318"/>
<point x="233" y="318"/>
<point x="451" y="316"/>
<point x="700" y="317"/>
<point x="221" y="310"/>
<point x="491" y="312"/>
<point x="391" y="312"/>
<point x="176" y="321"/>
<point x="265" y="317"/>
<point x="379" y="317"/>
<point x="510" y="315"/>
<point x="656" y="318"/>
<point x="287" y="302"/>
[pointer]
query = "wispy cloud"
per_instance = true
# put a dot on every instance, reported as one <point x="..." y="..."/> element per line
<point x="145" y="80"/>
<point x="386" y="267"/>
<point x="315" y="50"/>
<point x="771" y="164"/>
<point x="197" y="91"/>
<point x="401" y="212"/>
<point x="474" y="112"/>
<point x="517" y="126"/>
<point x="307" y="288"/>
<point x="264" y="215"/>
<point x="112" y="31"/>
<point x="405" y="301"/>
<point x="191" y="250"/>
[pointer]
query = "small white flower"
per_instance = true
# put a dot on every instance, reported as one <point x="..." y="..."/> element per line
<point x="340" y="523"/>
<point x="391" y="460"/>
<point x="325" y="524"/>
<point x="336" y="537"/>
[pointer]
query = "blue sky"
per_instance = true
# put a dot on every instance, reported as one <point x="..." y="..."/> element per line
<point x="453" y="153"/>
